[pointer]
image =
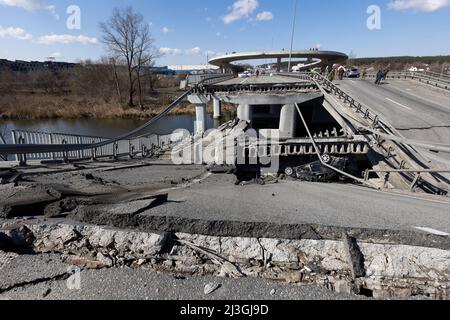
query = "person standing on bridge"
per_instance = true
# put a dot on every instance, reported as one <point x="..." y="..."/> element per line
<point x="331" y="75"/>
<point x="341" y="72"/>
<point x="380" y="76"/>
<point x="364" y="75"/>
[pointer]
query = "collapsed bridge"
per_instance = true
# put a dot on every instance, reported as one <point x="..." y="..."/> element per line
<point x="303" y="119"/>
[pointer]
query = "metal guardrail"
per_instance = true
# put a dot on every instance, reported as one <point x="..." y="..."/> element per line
<point x="400" y="153"/>
<point x="207" y="79"/>
<point x="421" y="77"/>
<point x="438" y="75"/>
<point x="2" y="141"/>
<point x="143" y="146"/>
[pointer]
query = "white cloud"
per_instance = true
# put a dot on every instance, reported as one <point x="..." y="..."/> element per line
<point x="165" y="30"/>
<point x="240" y="9"/>
<point x="209" y="19"/>
<point x="170" y="51"/>
<point x="29" y="5"/>
<point x="56" y="55"/>
<point x="218" y="34"/>
<point x="195" y="50"/>
<point x="52" y="10"/>
<point x="419" y="5"/>
<point x="264" y="16"/>
<point x="66" y="39"/>
<point x="15" y="33"/>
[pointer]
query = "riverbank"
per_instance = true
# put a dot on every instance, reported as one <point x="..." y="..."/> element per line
<point x="42" y="106"/>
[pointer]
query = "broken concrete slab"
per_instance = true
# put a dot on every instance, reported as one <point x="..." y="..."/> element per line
<point x="16" y="237"/>
<point x="119" y="214"/>
<point x="56" y="209"/>
<point x="26" y="201"/>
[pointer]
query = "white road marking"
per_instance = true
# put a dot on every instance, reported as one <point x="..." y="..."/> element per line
<point x="399" y="104"/>
<point x="433" y="231"/>
<point x="408" y="89"/>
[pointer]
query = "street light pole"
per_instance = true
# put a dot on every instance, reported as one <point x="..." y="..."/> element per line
<point x="293" y="33"/>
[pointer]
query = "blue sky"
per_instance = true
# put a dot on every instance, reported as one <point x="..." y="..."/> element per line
<point x="189" y="30"/>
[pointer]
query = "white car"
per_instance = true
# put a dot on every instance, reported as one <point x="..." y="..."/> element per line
<point x="245" y="74"/>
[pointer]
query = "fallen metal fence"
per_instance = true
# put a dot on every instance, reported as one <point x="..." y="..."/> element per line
<point x="144" y="146"/>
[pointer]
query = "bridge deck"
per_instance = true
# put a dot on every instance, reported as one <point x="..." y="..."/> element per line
<point x="261" y="80"/>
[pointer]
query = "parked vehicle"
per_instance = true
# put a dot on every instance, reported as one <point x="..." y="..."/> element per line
<point x="353" y="73"/>
<point x="245" y="74"/>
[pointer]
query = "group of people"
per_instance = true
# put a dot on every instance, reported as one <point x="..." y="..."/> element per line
<point x="340" y="72"/>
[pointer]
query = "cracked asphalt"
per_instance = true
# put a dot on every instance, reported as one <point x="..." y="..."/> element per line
<point x="46" y="277"/>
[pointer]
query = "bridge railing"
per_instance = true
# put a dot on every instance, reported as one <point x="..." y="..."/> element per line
<point x="442" y="83"/>
<point x="207" y="79"/>
<point x="443" y="76"/>
<point x="143" y="146"/>
<point x="2" y="141"/>
<point x="402" y="153"/>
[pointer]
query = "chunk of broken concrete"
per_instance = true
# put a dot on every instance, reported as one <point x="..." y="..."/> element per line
<point x="211" y="287"/>
<point x="16" y="237"/>
<point x="117" y="215"/>
<point x="26" y="201"/>
<point x="59" y="208"/>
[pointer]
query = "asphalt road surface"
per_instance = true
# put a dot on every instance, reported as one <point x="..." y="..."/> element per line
<point x="418" y="110"/>
<point x="37" y="277"/>
<point x="217" y="198"/>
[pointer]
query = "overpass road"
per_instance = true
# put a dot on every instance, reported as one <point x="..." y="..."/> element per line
<point x="419" y="111"/>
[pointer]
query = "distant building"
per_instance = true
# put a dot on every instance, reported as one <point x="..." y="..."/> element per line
<point x="31" y="66"/>
<point x="193" y="68"/>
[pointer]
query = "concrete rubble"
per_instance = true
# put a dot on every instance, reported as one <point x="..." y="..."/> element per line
<point x="145" y="219"/>
<point x="390" y="270"/>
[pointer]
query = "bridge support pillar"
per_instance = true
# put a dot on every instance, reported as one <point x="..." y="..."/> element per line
<point x="217" y="109"/>
<point x="199" y="101"/>
<point x="200" y="119"/>
<point x="288" y="121"/>
<point x="244" y="112"/>
<point x="278" y="64"/>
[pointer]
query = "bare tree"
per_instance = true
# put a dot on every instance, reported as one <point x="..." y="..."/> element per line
<point x="127" y="35"/>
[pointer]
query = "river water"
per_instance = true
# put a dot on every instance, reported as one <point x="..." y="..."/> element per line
<point x="106" y="128"/>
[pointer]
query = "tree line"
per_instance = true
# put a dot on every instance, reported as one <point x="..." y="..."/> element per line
<point x="123" y="74"/>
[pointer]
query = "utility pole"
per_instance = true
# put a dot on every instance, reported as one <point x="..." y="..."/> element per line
<point x="293" y="33"/>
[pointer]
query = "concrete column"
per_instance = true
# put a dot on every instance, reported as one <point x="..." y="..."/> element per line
<point x="244" y="112"/>
<point x="217" y="109"/>
<point x="278" y="64"/>
<point x="199" y="101"/>
<point x="288" y="121"/>
<point x="200" y="122"/>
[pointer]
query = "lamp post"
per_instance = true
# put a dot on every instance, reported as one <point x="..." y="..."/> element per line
<point x="293" y="33"/>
